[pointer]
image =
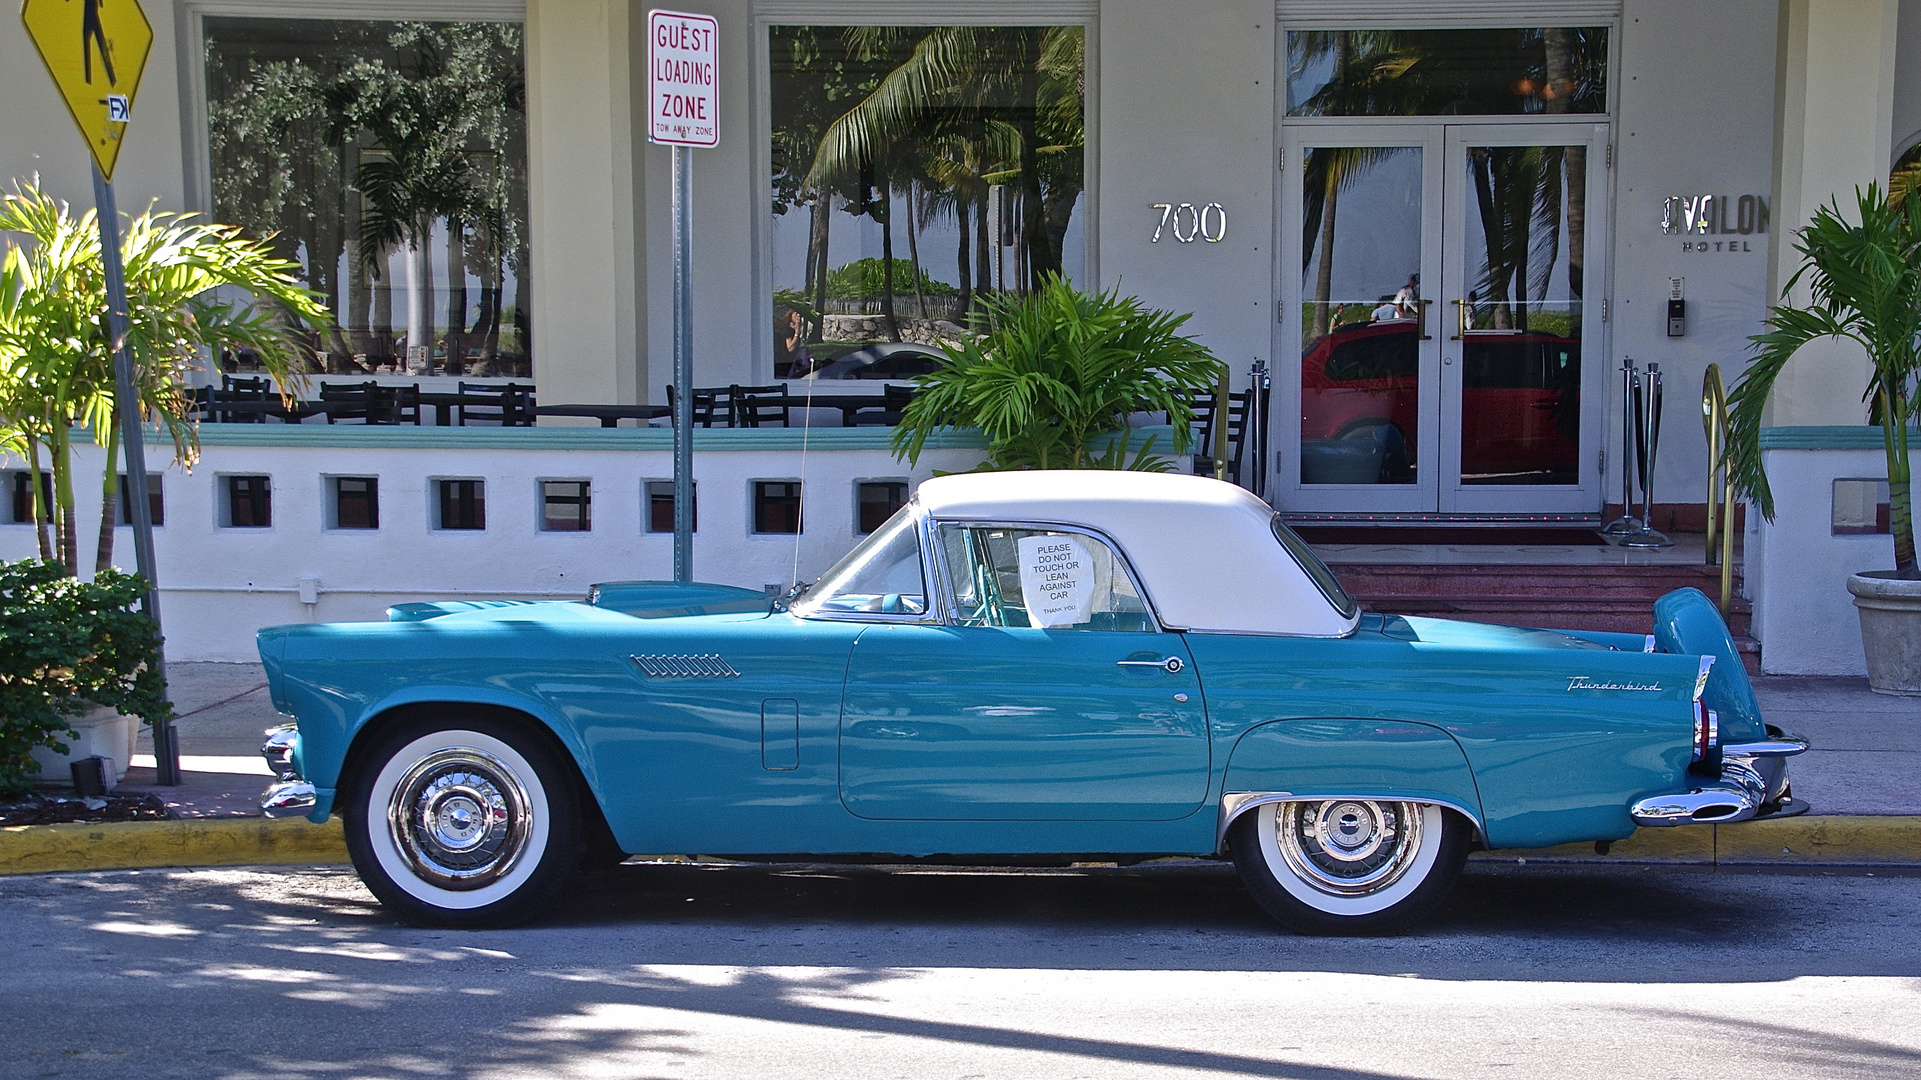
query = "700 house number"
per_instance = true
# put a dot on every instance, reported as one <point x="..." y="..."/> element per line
<point x="1186" y="223"/>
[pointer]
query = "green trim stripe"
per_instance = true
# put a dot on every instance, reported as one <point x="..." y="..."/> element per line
<point x="401" y="437"/>
<point x="1852" y="437"/>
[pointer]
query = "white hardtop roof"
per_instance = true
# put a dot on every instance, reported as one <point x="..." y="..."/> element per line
<point x="1205" y="550"/>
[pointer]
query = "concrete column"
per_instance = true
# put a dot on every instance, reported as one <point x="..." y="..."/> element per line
<point x="1834" y="109"/>
<point x="1186" y="115"/>
<point x="587" y="279"/>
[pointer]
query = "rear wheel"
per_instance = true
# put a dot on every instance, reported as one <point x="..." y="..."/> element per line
<point x="464" y="821"/>
<point x="1349" y="866"/>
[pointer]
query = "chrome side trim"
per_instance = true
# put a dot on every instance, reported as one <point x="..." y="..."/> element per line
<point x="1701" y="680"/>
<point x="1236" y="803"/>
<point x="1786" y="744"/>
<point x="1648" y="644"/>
<point x="686" y="666"/>
<point x="288" y="798"/>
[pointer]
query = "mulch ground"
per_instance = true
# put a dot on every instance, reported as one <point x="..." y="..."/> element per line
<point x="38" y="809"/>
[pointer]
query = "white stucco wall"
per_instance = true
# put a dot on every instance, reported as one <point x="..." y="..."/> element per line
<point x="1797" y="569"/>
<point x="219" y="585"/>
<point x="1693" y="120"/>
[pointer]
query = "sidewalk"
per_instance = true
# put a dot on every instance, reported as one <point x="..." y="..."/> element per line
<point x="1862" y="781"/>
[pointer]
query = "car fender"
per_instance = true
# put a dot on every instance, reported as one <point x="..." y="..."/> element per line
<point x="459" y="694"/>
<point x="1348" y="758"/>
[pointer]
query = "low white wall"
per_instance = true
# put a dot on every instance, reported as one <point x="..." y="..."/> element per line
<point x="219" y="585"/>
<point x="1796" y="567"/>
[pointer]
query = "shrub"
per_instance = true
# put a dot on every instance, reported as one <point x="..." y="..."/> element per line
<point x="1057" y="374"/>
<point x="66" y="644"/>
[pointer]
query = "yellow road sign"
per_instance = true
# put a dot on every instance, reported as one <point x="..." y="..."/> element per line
<point x="95" y="50"/>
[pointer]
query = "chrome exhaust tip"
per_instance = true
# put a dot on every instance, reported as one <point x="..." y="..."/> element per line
<point x="1702" y="806"/>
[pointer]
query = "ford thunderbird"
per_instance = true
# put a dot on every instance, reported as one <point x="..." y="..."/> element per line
<point x="1043" y="665"/>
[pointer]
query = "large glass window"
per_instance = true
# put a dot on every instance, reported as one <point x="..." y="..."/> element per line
<point x="1481" y="72"/>
<point x="917" y="172"/>
<point x="389" y="159"/>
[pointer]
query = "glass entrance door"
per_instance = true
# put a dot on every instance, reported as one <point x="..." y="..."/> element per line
<point x="1438" y="289"/>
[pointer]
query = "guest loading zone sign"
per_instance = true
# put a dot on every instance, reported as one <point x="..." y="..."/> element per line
<point x="683" y="79"/>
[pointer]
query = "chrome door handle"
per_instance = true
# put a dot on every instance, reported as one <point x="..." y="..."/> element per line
<point x="1171" y="665"/>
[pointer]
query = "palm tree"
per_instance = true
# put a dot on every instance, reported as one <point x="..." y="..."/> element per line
<point x="1865" y="282"/>
<point x="56" y="361"/>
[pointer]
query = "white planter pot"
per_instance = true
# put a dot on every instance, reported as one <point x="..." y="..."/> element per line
<point x="1890" y="609"/>
<point x="103" y="733"/>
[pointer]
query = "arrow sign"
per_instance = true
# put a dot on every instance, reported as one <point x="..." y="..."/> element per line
<point x="96" y="51"/>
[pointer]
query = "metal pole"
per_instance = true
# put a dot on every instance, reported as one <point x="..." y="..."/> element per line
<point x="1648" y="444"/>
<point x="683" y="367"/>
<point x="166" y="747"/>
<point x="1625" y="523"/>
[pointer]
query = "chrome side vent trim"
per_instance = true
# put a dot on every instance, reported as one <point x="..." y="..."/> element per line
<point x="686" y="666"/>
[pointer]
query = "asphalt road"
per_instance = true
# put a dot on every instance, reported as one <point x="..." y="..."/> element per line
<point x="930" y="973"/>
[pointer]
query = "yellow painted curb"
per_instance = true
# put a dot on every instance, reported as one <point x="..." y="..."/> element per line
<point x="126" y="845"/>
<point x="1805" y="840"/>
<point x="1810" y="839"/>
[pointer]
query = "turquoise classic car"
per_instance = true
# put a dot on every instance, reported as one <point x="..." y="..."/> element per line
<point x="1115" y="666"/>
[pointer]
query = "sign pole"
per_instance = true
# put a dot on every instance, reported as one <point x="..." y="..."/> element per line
<point x="166" y="749"/>
<point x="683" y="366"/>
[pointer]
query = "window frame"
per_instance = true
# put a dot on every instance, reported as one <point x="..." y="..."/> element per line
<point x="224" y="500"/>
<point x="934" y="558"/>
<point x="437" y="505"/>
<point x="331" y="496"/>
<point x="586" y="505"/>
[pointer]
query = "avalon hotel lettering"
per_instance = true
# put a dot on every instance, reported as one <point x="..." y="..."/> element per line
<point x="1700" y="215"/>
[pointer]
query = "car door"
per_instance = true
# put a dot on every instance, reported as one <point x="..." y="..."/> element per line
<point x="1048" y="693"/>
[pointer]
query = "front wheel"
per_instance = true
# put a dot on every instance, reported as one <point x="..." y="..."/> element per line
<point x="465" y="822"/>
<point x="1349" y="866"/>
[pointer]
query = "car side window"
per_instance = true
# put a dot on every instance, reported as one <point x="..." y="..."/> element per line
<point x="1049" y="578"/>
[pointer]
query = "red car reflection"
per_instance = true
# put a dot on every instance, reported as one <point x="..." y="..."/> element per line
<point x="1520" y="406"/>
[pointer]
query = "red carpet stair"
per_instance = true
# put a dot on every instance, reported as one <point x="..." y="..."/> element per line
<point x="1618" y="598"/>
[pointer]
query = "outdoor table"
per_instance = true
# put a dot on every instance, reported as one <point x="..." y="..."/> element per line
<point x="849" y="405"/>
<point x="608" y="415"/>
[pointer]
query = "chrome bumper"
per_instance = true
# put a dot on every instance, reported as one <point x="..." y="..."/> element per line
<point x="289" y="796"/>
<point x="1753" y="776"/>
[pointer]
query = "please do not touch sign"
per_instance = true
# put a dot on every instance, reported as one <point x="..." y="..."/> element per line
<point x="683" y="79"/>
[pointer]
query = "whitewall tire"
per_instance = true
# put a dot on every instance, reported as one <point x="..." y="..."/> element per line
<point x="1349" y="866"/>
<point x="464" y="821"/>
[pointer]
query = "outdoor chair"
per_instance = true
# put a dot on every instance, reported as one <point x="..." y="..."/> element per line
<point x="511" y="405"/>
<point x="709" y="403"/>
<point x="893" y="401"/>
<point x="345" y="401"/>
<point x="761" y="406"/>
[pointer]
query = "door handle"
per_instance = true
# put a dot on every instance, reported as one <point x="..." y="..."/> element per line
<point x="1171" y="665"/>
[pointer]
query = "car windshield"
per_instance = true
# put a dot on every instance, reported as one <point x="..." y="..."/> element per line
<point x="881" y="576"/>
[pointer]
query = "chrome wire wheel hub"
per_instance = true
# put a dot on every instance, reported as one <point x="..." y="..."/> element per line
<point x="459" y="818"/>
<point x="1349" y="847"/>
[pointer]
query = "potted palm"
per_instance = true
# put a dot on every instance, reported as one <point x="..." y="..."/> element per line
<point x="1865" y="281"/>
<point x="1056" y="376"/>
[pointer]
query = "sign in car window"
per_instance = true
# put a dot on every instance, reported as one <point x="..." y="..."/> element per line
<point x="1057" y="580"/>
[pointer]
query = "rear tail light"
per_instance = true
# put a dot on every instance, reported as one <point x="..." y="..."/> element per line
<point x="1707" y="733"/>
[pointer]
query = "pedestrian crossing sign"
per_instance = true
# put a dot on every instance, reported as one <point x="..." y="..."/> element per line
<point x="95" y="50"/>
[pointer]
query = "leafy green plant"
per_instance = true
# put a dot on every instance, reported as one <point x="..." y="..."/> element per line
<point x="862" y="278"/>
<point x="56" y="363"/>
<point x="66" y="644"/>
<point x="1865" y="280"/>
<point x="1057" y="372"/>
